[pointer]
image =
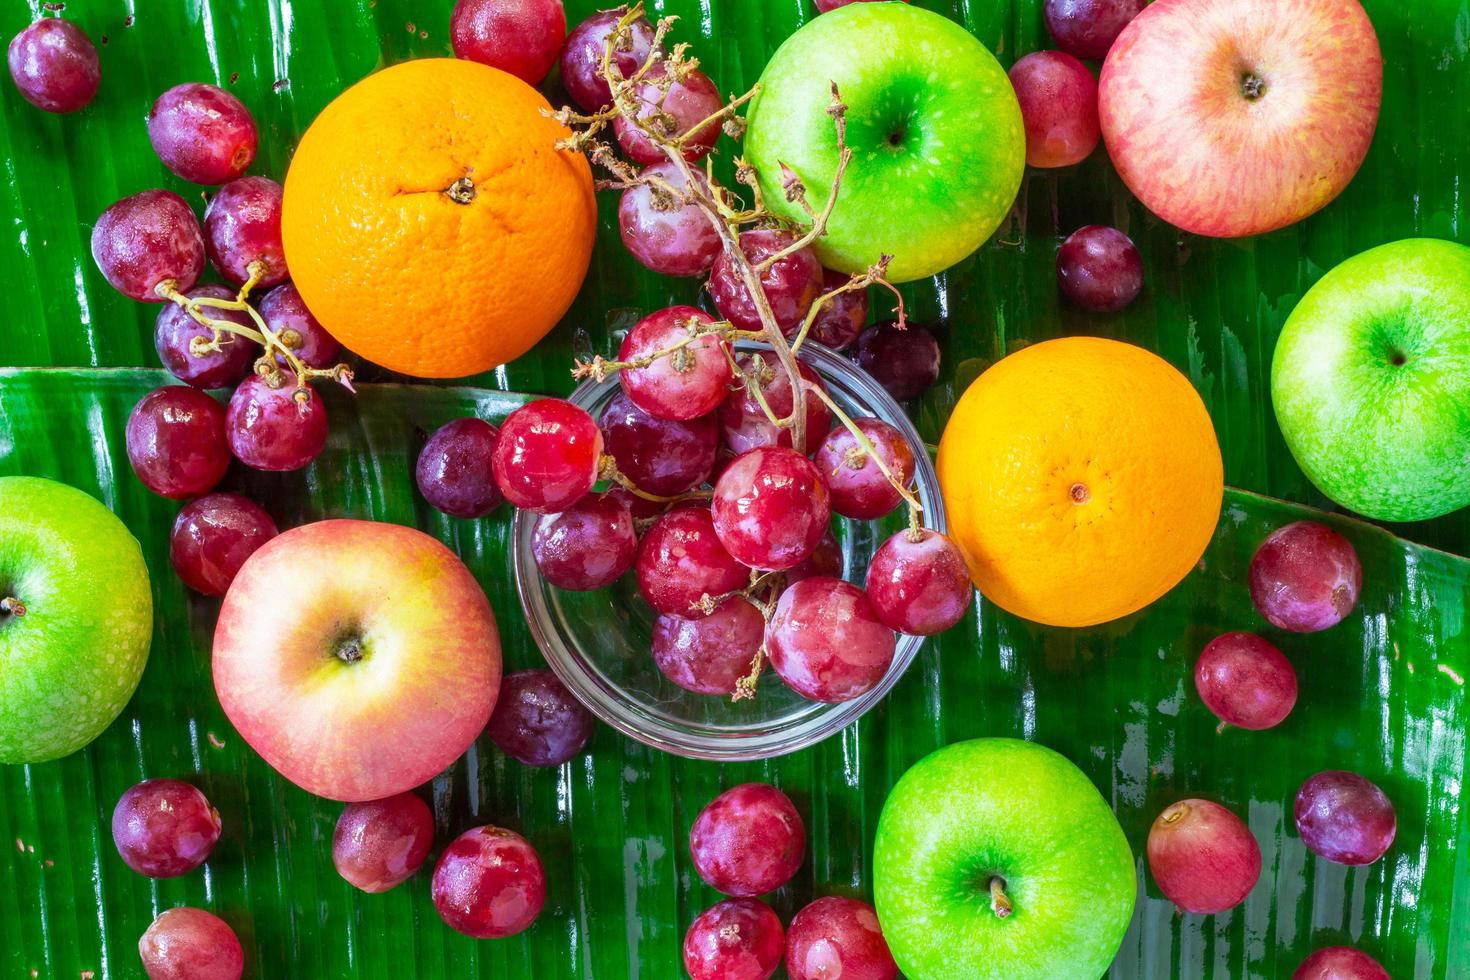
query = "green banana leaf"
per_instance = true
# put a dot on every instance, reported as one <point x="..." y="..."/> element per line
<point x="1382" y="693"/>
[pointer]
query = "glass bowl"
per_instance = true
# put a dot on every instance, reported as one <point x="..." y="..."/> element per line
<point x="598" y="642"/>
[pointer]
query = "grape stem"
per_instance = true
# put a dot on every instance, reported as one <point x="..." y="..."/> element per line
<point x="599" y="368"/>
<point x="862" y="280"/>
<point x="762" y="593"/>
<point x="871" y="452"/>
<point x="607" y="469"/>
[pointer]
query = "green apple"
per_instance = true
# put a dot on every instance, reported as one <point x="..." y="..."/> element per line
<point x="76" y="617"/>
<point x="997" y="858"/>
<point x="1371" y="381"/>
<point x="933" y="123"/>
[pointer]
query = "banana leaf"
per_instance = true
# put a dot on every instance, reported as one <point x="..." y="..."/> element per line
<point x="1381" y="693"/>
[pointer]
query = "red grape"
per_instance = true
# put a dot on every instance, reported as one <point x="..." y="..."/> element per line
<point x="709" y="655"/>
<point x="1245" y="681"/>
<point x="743" y="423"/>
<point x="1099" y="269"/>
<point x="671" y="113"/>
<point x="147" y="240"/>
<point x="202" y="133"/>
<point x="380" y="844"/>
<point x="1058" y="98"/>
<point x="826" y="642"/>
<point x="537" y="721"/>
<point x="677" y="240"/>
<point x="1344" y="818"/>
<point x="174" y="332"/>
<point x="1203" y="857"/>
<point x="176" y="441"/>
<point x="825" y="5"/>
<point x="841" y="318"/>
<point x="918" y="583"/>
<point x="838" y="937"/>
<point x="738" y="939"/>
<point x="827" y="560"/>
<point x="1088" y="28"/>
<point x="285" y="313"/>
<point x="1340" y="963"/>
<point x="790" y="284"/>
<point x="191" y="944"/>
<point x="275" y="428"/>
<point x="242" y="224"/>
<point x="771" y="508"/>
<point x="164" y="828"/>
<point x="489" y="883"/>
<point x="681" y="560"/>
<point x="587" y="546"/>
<point x="747" y="841"/>
<point x="581" y="56"/>
<point x="663" y="457"/>
<point x="547" y="456"/>
<point x="905" y="362"/>
<point x="686" y="384"/>
<point x="55" y="66"/>
<point x="1305" y="577"/>
<point x="213" y="536"/>
<point x="859" y="488"/>
<point x="453" y="471"/>
<point x="522" y="37"/>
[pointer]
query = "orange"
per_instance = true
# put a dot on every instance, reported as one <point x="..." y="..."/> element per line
<point x="1082" y="479"/>
<point x="431" y="224"/>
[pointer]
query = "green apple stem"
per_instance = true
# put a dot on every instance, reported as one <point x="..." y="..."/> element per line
<point x="11" y="606"/>
<point x="1000" y="903"/>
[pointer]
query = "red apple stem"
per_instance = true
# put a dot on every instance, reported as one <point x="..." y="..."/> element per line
<point x="11" y="606"/>
<point x="1000" y="904"/>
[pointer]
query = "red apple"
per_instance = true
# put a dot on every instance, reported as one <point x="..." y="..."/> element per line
<point x="1237" y="117"/>
<point x="359" y="659"/>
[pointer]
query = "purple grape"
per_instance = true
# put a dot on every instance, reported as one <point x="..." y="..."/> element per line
<point x="918" y="583"/>
<point x="522" y="37"/>
<point x="285" y="313"/>
<point x="176" y="442"/>
<point x="537" y="721"/>
<point x="676" y="241"/>
<point x="791" y="284"/>
<point x="1099" y="269"/>
<point x="454" y="472"/>
<point x="147" y="240"/>
<point x="587" y="546"/>
<point x="841" y="318"/>
<point x="242" y="224"/>
<point x="174" y="332"/>
<point x="826" y="642"/>
<point x="1245" y="681"/>
<point x="275" y="428"/>
<point x="164" y="828"/>
<point x="1088" y="28"/>
<point x="55" y="66"/>
<point x="709" y="655"/>
<point x="202" y="133"/>
<point x="1344" y="818"/>
<point x="213" y="536"/>
<point x="905" y="362"/>
<point x="581" y="56"/>
<point x="1305" y="577"/>
<point x="827" y="560"/>
<point x="663" y="457"/>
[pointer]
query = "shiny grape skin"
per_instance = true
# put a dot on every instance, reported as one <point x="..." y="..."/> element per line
<point x="859" y="488"/>
<point x="547" y="455"/>
<point x="1305" y="577"/>
<point x="747" y="841"/>
<point x="841" y="318"/>
<point x="453" y="471"/>
<point x="202" y="133"/>
<point x="164" y="828"/>
<point x="737" y="939"/>
<point x="146" y="240"/>
<point x="826" y="560"/>
<point x="174" y="332"/>
<point x="709" y="655"/>
<point x="1203" y="857"/>
<point x="522" y="37"/>
<point x="681" y="241"/>
<point x="379" y="844"/>
<point x="213" y="536"/>
<point x="242" y="224"/>
<point x="537" y="721"/>
<point x="686" y="384"/>
<point x="175" y="441"/>
<point x="1344" y="818"/>
<point x="285" y="313"/>
<point x="825" y="640"/>
<point x="271" y="428"/>
<point x="1058" y="98"/>
<point x="1340" y="963"/>
<point x="790" y="284"/>
<point x="677" y="112"/>
<point x="771" y="508"/>
<point x="663" y="457"/>
<point x="919" y="587"/>
<point x="587" y="546"/>
<point x="1246" y="681"/>
<point x="743" y="423"/>
<point x="54" y="65"/>
<point x="489" y="884"/>
<point x="905" y="362"/>
<point x="1099" y="269"/>
<point x="838" y="937"/>
<point x="581" y="57"/>
<point x="1088" y="28"/>
<point x="191" y="944"/>
<point x="681" y="560"/>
